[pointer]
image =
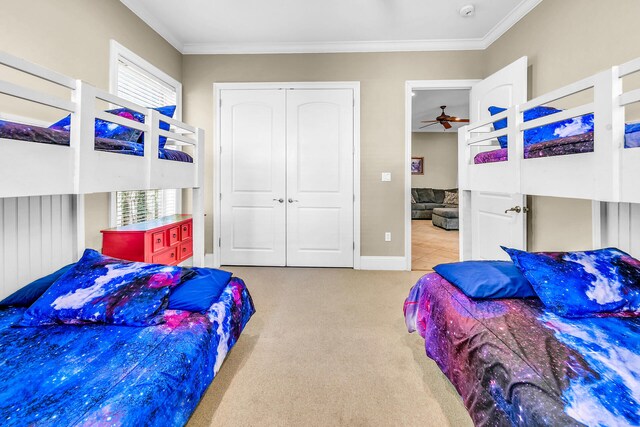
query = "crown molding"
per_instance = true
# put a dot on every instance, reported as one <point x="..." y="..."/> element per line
<point x="509" y="21"/>
<point x="149" y="19"/>
<point x="334" y="47"/>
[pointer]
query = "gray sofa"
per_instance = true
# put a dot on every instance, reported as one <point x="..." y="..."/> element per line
<point x="426" y="200"/>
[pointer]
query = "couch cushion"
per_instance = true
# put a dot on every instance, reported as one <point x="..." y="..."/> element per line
<point x="438" y="196"/>
<point x="446" y="212"/>
<point x="425" y="195"/>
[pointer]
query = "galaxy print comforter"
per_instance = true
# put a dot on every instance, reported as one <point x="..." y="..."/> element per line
<point x="558" y="147"/>
<point x="20" y="132"/>
<point x="514" y="363"/>
<point x="103" y="375"/>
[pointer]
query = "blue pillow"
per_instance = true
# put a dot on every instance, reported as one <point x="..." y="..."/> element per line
<point x="531" y="136"/>
<point x="27" y="295"/>
<point x="578" y="284"/>
<point x="101" y="289"/>
<point x="201" y="291"/>
<point x="168" y="111"/>
<point x="487" y="279"/>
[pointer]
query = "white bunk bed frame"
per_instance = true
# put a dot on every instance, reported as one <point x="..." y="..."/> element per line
<point x="608" y="174"/>
<point x="36" y="169"/>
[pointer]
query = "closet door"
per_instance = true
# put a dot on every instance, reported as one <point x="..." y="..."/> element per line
<point x="320" y="178"/>
<point x="253" y="205"/>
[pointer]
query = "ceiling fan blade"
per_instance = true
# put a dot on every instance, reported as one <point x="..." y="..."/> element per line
<point x="446" y="125"/>
<point x="429" y="121"/>
<point x="458" y="120"/>
<point x="426" y="126"/>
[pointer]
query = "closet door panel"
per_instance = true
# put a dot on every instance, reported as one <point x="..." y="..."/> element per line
<point x="253" y="177"/>
<point x="320" y="178"/>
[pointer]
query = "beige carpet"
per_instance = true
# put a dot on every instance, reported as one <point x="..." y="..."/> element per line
<point x="328" y="347"/>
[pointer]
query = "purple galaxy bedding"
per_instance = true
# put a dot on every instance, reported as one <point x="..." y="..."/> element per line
<point x="515" y="363"/>
<point x="30" y="133"/>
<point x="558" y="147"/>
<point x="108" y="375"/>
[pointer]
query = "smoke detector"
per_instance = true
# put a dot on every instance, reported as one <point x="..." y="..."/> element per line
<point x="467" y="11"/>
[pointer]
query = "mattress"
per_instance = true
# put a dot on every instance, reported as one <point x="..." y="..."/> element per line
<point x="30" y="133"/>
<point x="116" y="375"/>
<point x="514" y="363"/>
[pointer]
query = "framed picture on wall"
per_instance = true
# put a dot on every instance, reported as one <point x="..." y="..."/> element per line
<point x="417" y="166"/>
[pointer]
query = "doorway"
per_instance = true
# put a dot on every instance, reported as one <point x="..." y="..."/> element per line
<point x="435" y="111"/>
<point x="287" y="188"/>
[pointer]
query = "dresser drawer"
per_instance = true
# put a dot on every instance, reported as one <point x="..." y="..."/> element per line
<point x="157" y="241"/>
<point x="174" y="235"/>
<point x="168" y="257"/>
<point x="185" y="250"/>
<point x="185" y="231"/>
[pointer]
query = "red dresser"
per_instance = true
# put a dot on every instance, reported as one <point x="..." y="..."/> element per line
<point x="162" y="241"/>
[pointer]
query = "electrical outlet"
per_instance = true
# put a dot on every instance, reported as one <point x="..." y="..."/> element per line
<point x="387" y="237"/>
<point x="386" y="176"/>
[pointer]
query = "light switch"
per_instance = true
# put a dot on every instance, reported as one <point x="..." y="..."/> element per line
<point x="386" y="176"/>
<point x="387" y="237"/>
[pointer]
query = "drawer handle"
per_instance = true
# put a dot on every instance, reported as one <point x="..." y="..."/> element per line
<point x="184" y="228"/>
<point x="158" y="241"/>
<point x="175" y="235"/>
<point x="172" y="254"/>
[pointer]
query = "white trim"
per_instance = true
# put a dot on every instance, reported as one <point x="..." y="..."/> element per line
<point x="209" y="260"/>
<point x="333" y="47"/>
<point x="480" y="43"/>
<point x="410" y="86"/>
<point x="117" y="52"/>
<point x="391" y="263"/>
<point x="355" y="86"/>
<point x="153" y="22"/>
<point x="509" y="21"/>
<point x="22" y="119"/>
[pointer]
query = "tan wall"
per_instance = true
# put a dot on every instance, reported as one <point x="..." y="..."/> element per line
<point x="440" y="152"/>
<point x="566" y="41"/>
<point x="382" y="77"/>
<point x="72" y="37"/>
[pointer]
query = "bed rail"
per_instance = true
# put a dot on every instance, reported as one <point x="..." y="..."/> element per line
<point x="608" y="173"/>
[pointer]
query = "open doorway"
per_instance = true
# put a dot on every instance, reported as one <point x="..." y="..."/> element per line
<point x="437" y="111"/>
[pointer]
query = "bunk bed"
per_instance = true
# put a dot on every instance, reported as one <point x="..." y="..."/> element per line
<point x="517" y="360"/>
<point x="600" y="164"/>
<point x="134" y="343"/>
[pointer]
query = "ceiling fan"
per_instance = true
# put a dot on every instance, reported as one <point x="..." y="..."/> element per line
<point x="444" y="120"/>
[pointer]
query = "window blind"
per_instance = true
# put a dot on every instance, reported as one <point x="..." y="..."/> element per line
<point x="137" y="85"/>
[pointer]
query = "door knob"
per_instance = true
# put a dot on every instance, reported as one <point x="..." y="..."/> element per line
<point x="293" y="201"/>
<point x="280" y="200"/>
<point x="517" y="209"/>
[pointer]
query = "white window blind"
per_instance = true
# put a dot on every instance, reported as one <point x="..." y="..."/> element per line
<point x="144" y="88"/>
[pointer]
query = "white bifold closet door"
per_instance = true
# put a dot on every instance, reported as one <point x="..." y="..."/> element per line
<point x="287" y="177"/>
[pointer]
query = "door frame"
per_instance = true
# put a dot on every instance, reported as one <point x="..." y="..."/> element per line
<point x="410" y="86"/>
<point x="217" y="167"/>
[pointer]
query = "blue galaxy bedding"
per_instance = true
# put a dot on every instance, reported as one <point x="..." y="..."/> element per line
<point x="105" y="375"/>
<point x="30" y="133"/>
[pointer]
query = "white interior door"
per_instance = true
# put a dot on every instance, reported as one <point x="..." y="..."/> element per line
<point x="320" y="178"/>
<point x="491" y="226"/>
<point x="253" y="192"/>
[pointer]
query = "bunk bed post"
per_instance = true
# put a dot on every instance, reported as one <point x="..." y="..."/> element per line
<point x="464" y="196"/>
<point x="151" y="144"/>
<point x="608" y="133"/>
<point x="83" y="133"/>
<point x="198" y="201"/>
<point x="80" y="225"/>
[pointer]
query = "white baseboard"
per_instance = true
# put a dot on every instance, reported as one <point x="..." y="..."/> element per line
<point x="395" y="263"/>
<point x="209" y="260"/>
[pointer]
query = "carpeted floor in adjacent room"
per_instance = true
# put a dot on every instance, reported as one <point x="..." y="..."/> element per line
<point x="328" y="347"/>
